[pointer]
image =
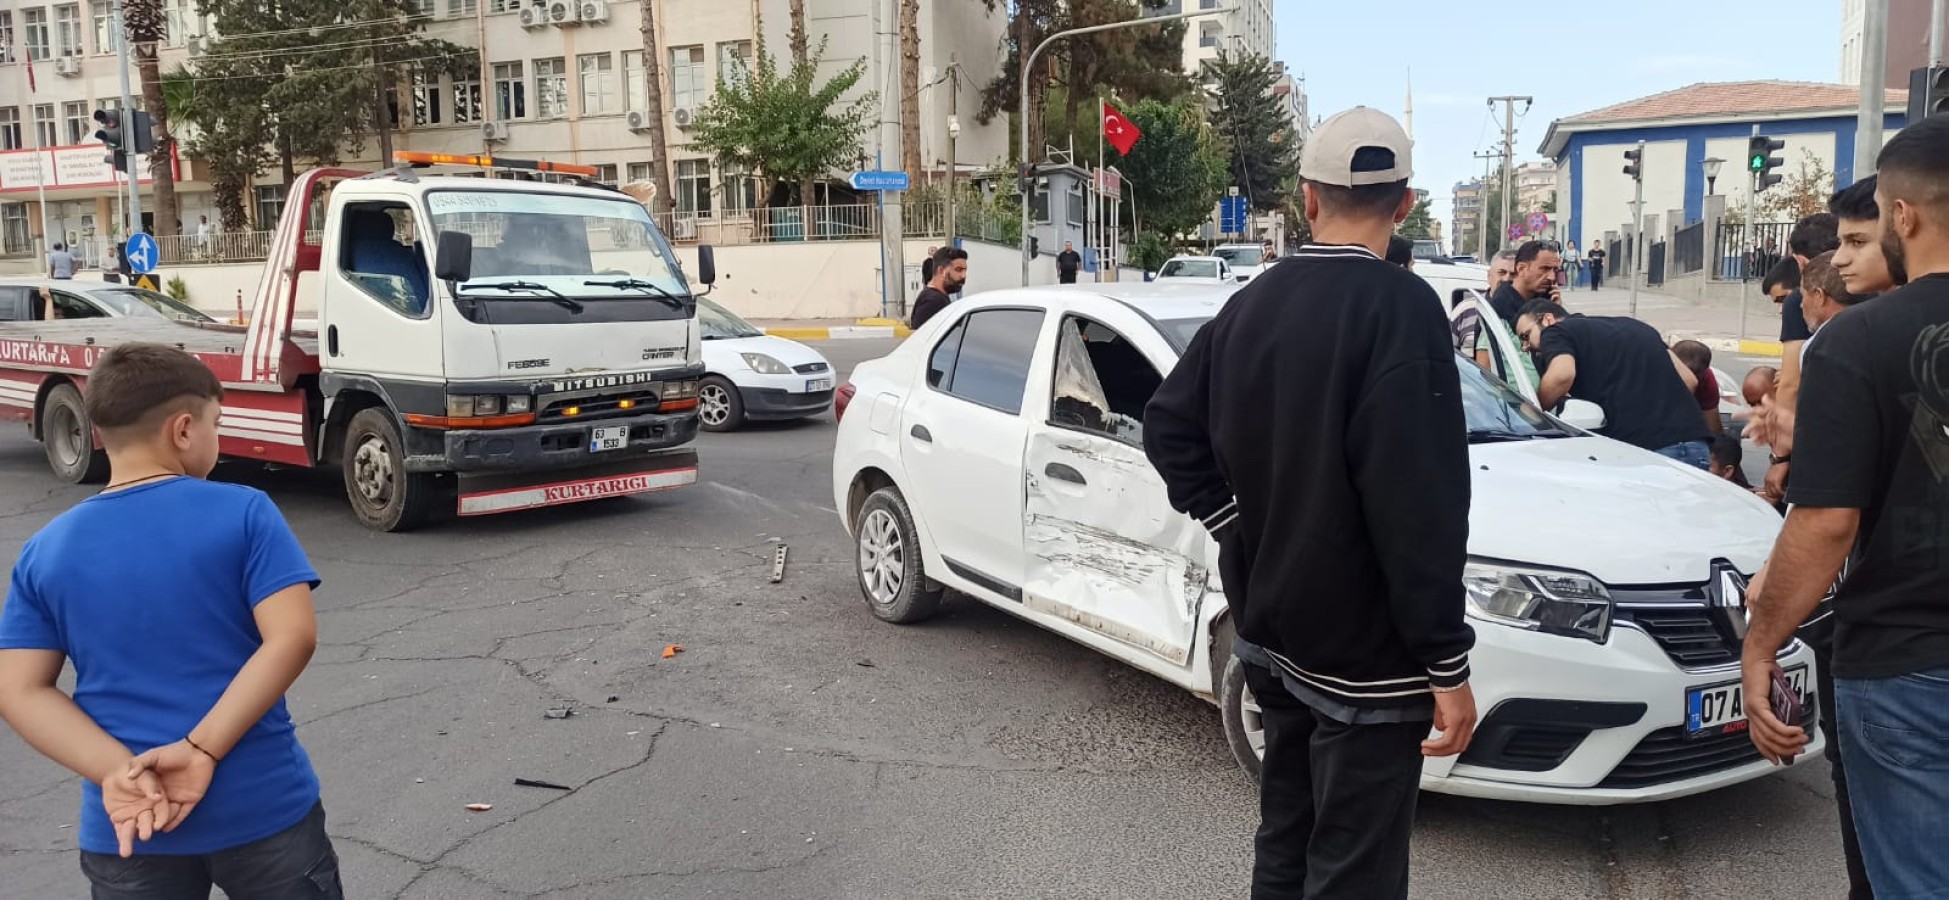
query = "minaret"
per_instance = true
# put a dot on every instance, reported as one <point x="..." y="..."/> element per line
<point x="1409" y="111"/>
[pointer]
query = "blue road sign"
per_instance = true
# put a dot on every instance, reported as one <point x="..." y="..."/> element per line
<point x="142" y="253"/>
<point x="879" y="181"/>
<point x="1231" y="215"/>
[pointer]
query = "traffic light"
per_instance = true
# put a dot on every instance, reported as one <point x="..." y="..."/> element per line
<point x="1634" y="164"/>
<point x="1761" y="162"/>
<point x="144" y="132"/>
<point x="1025" y="178"/>
<point x="1928" y="93"/>
<point x="112" y="137"/>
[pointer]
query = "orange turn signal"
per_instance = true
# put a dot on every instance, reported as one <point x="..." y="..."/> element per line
<point x="445" y="422"/>
<point x="677" y="405"/>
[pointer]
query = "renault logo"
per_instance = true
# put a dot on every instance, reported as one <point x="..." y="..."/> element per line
<point x="1725" y="596"/>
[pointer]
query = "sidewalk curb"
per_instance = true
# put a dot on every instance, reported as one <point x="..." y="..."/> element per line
<point x="840" y="333"/>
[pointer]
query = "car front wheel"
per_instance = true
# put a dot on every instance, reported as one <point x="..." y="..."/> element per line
<point x="719" y="407"/>
<point x="891" y="574"/>
<point x="1244" y="724"/>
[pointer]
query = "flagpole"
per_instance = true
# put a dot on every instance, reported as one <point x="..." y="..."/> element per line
<point x="40" y="178"/>
<point x="1096" y="185"/>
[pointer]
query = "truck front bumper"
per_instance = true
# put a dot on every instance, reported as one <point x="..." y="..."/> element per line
<point x="486" y="493"/>
<point x="550" y="447"/>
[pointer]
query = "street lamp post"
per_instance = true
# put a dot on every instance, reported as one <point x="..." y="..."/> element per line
<point x="1028" y="66"/>
<point x="1711" y="165"/>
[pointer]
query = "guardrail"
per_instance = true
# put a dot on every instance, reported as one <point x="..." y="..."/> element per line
<point x="1745" y="254"/>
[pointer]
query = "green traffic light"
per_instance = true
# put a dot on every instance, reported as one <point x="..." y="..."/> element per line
<point x="1758" y="163"/>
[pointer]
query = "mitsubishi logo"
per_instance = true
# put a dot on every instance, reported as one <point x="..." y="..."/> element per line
<point x="1725" y="599"/>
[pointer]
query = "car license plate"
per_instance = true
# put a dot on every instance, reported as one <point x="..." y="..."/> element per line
<point x="613" y="437"/>
<point x="818" y="384"/>
<point x="1720" y="708"/>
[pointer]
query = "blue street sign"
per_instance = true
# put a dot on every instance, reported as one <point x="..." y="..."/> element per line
<point x="142" y="253"/>
<point x="879" y="181"/>
<point x="1231" y="215"/>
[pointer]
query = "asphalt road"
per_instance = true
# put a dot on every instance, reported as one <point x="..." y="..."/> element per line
<point x="798" y="747"/>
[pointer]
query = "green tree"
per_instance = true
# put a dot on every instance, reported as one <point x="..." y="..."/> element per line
<point x="785" y="124"/>
<point x="1260" y="148"/>
<point x="1419" y="225"/>
<point x="1130" y="63"/>
<point x="1801" y="193"/>
<point x="1175" y="171"/>
<point x="144" y="23"/>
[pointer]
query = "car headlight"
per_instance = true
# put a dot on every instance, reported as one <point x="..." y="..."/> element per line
<point x="1553" y="602"/>
<point x="765" y="365"/>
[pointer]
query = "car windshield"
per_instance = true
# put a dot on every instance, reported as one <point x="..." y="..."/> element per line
<point x="560" y="242"/>
<point x="715" y="323"/>
<point x="1493" y="411"/>
<point x="1426" y="249"/>
<point x="1240" y="256"/>
<point x="136" y="301"/>
<point x="1189" y="268"/>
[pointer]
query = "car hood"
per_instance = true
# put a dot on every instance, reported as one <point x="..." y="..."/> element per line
<point x="727" y="353"/>
<point x="1624" y="515"/>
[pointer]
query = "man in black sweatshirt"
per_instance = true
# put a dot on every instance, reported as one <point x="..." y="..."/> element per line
<point x="1316" y="428"/>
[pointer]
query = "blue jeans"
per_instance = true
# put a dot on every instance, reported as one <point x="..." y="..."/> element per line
<point x="1697" y="454"/>
<point x="1895" y="734"/>
<point x="297" y="863"/>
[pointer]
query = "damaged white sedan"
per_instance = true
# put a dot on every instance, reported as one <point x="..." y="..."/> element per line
<point x="999" y="452"/>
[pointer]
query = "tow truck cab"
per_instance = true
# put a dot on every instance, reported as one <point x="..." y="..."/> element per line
<point x="544" y="351"/>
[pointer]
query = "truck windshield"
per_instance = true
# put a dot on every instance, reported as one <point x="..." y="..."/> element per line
<point x="558" y="241"/>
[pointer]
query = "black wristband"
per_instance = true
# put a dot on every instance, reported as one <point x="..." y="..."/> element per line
<point x="1776" y="460"/>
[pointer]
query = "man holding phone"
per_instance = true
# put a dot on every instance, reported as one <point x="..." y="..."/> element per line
<point x="1535" y="278"/>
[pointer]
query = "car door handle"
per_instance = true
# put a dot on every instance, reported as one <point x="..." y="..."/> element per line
<point x="1061" y="472"/>
<point x="921" y="433"/>
<point x="331" y="340"/>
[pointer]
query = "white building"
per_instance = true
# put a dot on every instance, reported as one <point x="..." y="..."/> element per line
<point x="564" y="93"/>
<point x="1908" y="40"/>
<point x="1248" y="28"/>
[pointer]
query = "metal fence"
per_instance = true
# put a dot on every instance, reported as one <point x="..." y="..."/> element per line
<point x="1688" y="249"/>
<point x="1654" y="266"/>
<point x="1740" y="253"/>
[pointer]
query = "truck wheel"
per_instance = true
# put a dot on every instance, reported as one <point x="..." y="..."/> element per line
<point x="891" y="573"/>
<point x="69" y="439"/>
<point x="383" y="494"/>
<point x="719" y="407"/>
<point x="1244" y="727"/>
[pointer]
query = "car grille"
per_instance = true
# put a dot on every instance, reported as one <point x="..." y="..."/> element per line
<point x="810" y="368"/>
<point x="1686" y="634"/>
<point x="1668" y="755"/>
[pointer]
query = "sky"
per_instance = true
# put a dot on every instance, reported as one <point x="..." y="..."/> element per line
<point x="1571" y="58"/>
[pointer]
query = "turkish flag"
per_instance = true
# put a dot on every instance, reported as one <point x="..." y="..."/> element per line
<point x="1119" y="131"/>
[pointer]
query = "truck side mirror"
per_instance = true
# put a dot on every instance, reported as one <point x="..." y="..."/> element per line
<point x="706" y="265"/>
<point x="453" y="257"/>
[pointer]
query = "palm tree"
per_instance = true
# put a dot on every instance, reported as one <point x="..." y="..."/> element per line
<point x="143" y="20"/>
<point x="653" y="99"/>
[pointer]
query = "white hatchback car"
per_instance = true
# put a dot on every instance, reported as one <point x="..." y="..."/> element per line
<point x="752" y="376"/>
<point x="999" y="452"/>
<point x="1208" y="270"/>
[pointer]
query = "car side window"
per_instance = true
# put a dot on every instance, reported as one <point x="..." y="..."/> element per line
<point x="1103" y="382"/>
<point x="379" y="252"/>
<point x="69" y="306"/>
<point x="985" y="357"/>
<point x="14" y="306"/>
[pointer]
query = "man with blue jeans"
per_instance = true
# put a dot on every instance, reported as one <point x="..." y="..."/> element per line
<point x="1870" y="495"/>
<point x="1622" y="365"/>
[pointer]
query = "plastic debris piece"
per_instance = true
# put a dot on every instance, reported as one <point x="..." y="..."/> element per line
<point x="557" y="712"/>
<point x="778" y="565"/>
<point x="479" y="807"/>
<point x="613" y="699"/>
<point x="529" y="782"/>
<point x="672" y="650"/>
<point x="865" y="663"/>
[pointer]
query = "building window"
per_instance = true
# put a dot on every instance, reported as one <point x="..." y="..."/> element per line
<point x="10" y="129"/>
<point x="270" y="205"/>
<point x="694" y="185"/>
<point x="67" y="30"/>
<point x="635" y="90"/>
<point x="740" y="189"/>
<point x="734" y="62"/>
<point x="606" y="175"/>
<point x="639" y="171"/>
<point x="39" y="41"/>
<point x="687" y="74"/>
<point x="418" y="8"/>
<point x="18" y="238"/>
<point x="510" y="92"/>
<point x="462" y="7"/>
<point x="505" y="6"/>
<point x="466" y="99"/>
<point x="598" y="84"/>
<point x="46" y="130"/>
<point x="426" y="97"/>
<point x="551" y="88"/>
<point x="80" y="122"/>
<point x="179" y="22"/>
<point x="1076" y="204"/>
<point x="104" y="39"/>
<point x="6" y="36"/>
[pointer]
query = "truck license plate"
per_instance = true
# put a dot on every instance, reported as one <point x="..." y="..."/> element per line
<point x="818" y="384"/>
<point x="1720" y="708"/>
<point x="613" y="437"/>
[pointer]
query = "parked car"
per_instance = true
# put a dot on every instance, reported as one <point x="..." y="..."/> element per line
<point x="1210" y="270"/>
<point x="1245" y="259"/>
<point x="20" y="300"/>
<point x="751" y="376"/>
<point x="998" y="452"/>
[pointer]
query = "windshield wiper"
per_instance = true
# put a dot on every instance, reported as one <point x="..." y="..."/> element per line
<point x="1497" y="435"/>
<point x="554" y="296"/>
<point x="638" y="284"/>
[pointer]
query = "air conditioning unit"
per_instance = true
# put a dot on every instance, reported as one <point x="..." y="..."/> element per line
<point x="683" y="116"/>
<point x="564" y="13"/>
<point x="685" y="228"/>
<point x="197" y="46"/>
<point x="69" y="66"/>
<point x="637" y="120"/>
<point x="534" y="17"/>
<point x="493" y="131"/>
<point x="594" y="11"/>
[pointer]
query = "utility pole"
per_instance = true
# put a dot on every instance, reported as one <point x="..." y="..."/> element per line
<point x="1482" y="207"/>
<point x="1508" y="148"/>
<point x="1637" y="230"/>
<point x="1874" y="90"/>
<point x="1937" y="24"/>
<point x="953" y="133"/>
<point x="128" y="113"/>
<point x="893" y="261"/>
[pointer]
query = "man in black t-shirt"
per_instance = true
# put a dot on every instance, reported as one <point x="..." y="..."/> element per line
<point x="1622" y="365"/>
<point x="1870" y="497"/>
<point x="1068" y="263"/>
<point x="1594" y="258"/>
<point x="1812" y="236"/>
<point x="1535" y="278"/>
<point x="950" y="272"/>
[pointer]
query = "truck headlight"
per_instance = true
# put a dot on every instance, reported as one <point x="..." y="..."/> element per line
<point x="463" y="407"/>
<point x="1553" y="602"/>
<point x="519" y="403"/>
<point x="765" y="365"/>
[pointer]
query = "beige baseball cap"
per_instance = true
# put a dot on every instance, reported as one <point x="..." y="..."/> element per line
<point x="1328" y="157"/>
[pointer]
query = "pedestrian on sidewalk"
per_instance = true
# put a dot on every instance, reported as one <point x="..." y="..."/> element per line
<point x="950" y="272"/>
<point x="1574" y="264"/>
<point x="1867" y="497"/>
<point x="60" y="263"/>
<point x="1594" y="259"/>
<point x="1865" y="270"/>
<point x="184" y="641"/>
<point x="1622" y="365"/>
<point x="1351" y="654"/>
<point x="1068" y="263"/>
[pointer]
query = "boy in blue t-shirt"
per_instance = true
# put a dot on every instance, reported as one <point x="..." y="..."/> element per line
<point x="184" y="637"/>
